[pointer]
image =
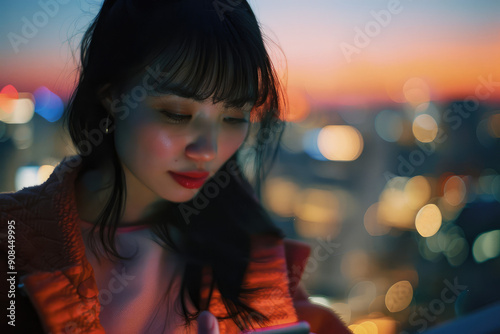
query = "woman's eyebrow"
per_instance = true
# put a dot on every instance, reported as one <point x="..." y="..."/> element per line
<point x="166" y="96"/>
<point x="246" y="108"/>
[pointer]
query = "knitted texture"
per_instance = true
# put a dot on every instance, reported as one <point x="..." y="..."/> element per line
<point x="60" y="282"/>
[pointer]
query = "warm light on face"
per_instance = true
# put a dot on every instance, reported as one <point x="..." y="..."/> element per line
<point x="160" y="134"/>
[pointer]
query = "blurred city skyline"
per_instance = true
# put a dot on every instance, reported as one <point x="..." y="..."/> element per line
<point x="337" y="52"/>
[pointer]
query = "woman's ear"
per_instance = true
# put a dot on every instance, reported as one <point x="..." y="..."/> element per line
<point x="104" y="95"/>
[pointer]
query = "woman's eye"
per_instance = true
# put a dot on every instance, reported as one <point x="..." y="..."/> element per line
<point x="176" y="118"/>
<point x="181" y="118"/>
<point x="232" y="120"/>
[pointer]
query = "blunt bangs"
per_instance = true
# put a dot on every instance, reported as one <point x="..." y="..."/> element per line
<point x="218" y="61"/>
<point x="203" y="51"/>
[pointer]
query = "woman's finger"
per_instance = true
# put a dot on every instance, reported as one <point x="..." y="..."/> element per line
<point x="207" y="323"/>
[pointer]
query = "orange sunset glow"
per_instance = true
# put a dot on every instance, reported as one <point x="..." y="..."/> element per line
<point x="449" y="52"/>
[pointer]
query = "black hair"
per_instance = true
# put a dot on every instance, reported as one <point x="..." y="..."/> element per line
<point x="198" y="49"/>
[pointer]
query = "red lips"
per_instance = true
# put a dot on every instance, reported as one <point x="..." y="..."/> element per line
<point x="190" y="180"/>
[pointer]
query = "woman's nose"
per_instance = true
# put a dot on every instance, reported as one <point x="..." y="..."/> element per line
<point x="204" y="146"/>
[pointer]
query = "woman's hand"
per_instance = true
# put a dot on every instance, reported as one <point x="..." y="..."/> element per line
<point x="207" y="323"/>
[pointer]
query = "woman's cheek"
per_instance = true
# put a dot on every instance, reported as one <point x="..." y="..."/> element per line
<point x="230" y="142"/>
<point x="161" y="143"/>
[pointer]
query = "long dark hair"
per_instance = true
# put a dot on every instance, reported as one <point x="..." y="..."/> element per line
<point x="199" y="49"/>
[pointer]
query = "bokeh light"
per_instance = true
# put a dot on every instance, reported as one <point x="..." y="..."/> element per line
<point x="369" y="326"/>
<point x="486" y="246"/>
<point x="8" y="96"/>
<point x="26" y="176"/>
<point x="365" y="327"/>
<point x="340" y="142"/>
<point x="44" y="172"/>
<point x="383" y="324"/>
<point x="357" y="329"/>
<point x="394" y="209"/>
<point x="417" y="191"/>
<point x="425" y="128"/>
<point x="48" y="104"/>
<point x="399" y="296"/>
<point x="428" y="220"/>
<point x="317" y="212"/>
<point x="454" y="190"/>
<point x="310" y="144"/>
<point x="280" y="195"/>
<point x="320" y="300"/>
<point x="429" y="109"/>
<point x="15" y="108"/>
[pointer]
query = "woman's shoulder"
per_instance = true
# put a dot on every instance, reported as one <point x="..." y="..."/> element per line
<point x="27" y="203"/>
<point x="39" y="216"/>
<point x="23" y="204"/>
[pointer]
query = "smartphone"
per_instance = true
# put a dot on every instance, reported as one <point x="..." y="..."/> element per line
<point x="301" y="327"/>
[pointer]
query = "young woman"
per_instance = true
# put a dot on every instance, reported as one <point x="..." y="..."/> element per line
<point x="153" y="226"/>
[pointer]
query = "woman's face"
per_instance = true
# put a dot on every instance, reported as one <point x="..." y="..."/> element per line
<point x="159" y="136"/>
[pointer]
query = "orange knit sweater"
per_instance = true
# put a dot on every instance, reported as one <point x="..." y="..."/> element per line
<point x="59" y="281"/>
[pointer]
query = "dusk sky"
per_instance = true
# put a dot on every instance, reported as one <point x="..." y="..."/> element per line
<point x="447" y="44"/>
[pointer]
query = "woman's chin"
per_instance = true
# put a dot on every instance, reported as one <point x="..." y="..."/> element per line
<point x="182" y="196"/>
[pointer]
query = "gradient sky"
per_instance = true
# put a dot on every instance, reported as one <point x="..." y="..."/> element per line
<point x="447" y="43"/>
